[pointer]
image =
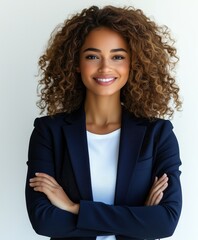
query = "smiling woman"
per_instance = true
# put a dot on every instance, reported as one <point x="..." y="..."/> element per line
<point x="152" y="57"/>
<point x="100" y="165"/>
<point x="104" y="63"/>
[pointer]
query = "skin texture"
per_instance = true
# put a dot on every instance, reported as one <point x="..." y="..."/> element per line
<point x="99" y="60"/>
<point x="104" y="55"/>
<point x="104" y="69"/>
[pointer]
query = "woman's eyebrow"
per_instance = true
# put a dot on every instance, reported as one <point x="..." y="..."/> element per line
<point x="112" y="50"/>
<point x="92" y="49"/>
<point x="119" y="50"/>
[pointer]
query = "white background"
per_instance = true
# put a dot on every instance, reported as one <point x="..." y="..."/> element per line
<point x="25" y="26"/>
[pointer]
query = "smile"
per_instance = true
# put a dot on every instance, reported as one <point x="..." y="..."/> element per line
<point x="105" y="80"/>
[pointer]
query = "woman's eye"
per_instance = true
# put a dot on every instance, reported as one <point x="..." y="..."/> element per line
<point x="91" y="57"/>
<point x="118" y="57"/>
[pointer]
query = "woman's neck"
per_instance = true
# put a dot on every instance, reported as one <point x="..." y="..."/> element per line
<point x="103" y="114"/>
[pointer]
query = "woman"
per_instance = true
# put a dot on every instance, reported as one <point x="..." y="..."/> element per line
<point x="104" y="163"/>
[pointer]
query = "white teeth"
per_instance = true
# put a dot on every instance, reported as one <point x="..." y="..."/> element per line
<point x="105" y="79"/>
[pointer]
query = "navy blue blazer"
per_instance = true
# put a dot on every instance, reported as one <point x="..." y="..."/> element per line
<point x="58" y="147"/>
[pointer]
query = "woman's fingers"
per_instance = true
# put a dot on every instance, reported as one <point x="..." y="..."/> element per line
<point x="158" y="188"/>
<point x="43" y="183"/>
<point x="157" y="199"/>
<point x="157" y="196"/>
<point x="160" y="184"/>
<point x="160" y="181"/>
<point x="46" y="176"/>
<point x="156" y="192"/>
<point x="54" y="192"/>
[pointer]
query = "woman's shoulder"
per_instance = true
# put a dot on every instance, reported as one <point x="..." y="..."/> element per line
<point x="150" y="122"/>
<point x="159" y="129"/>
<point x="59" y="117"/>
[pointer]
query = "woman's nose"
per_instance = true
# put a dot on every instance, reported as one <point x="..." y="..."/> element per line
<point x="105" y="66"/>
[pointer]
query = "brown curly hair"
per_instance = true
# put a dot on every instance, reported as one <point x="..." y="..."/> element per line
<point x="151" y="90"/>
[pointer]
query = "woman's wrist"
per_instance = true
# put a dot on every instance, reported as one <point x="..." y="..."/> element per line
<point x="75" y="208"/>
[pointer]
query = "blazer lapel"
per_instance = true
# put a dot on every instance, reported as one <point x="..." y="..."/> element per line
<point x="75" y="134"/>
<point x="132" y="134"/>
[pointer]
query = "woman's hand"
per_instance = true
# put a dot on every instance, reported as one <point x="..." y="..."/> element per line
<point x="46" y="184"/>
<point x="156" y="192"/>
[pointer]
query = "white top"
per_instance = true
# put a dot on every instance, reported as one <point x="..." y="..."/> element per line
<point x="103" y="160"/>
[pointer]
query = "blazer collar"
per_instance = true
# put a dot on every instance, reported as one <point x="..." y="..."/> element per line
<point x="132" y="133"/>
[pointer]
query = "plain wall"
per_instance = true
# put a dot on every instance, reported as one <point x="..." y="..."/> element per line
<point x="25" y="27"/>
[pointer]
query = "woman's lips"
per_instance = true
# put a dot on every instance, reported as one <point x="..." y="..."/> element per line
<point x="104" y="80"/>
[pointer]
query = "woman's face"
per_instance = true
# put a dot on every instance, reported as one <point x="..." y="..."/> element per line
<point x="104" y="62"/>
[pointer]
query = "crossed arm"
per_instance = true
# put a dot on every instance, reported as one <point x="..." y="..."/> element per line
<point x="48" y="185"/>
<point x="141" y="222"/>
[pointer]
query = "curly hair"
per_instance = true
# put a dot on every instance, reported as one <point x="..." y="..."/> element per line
<point x="151" y="90"/>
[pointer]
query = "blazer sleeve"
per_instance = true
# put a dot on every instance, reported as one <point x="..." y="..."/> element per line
<point x="143" y="222"/>
<point x="46" y="219"/>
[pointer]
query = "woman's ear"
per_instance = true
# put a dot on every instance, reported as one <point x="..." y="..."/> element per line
<point x="78" y="69"/>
